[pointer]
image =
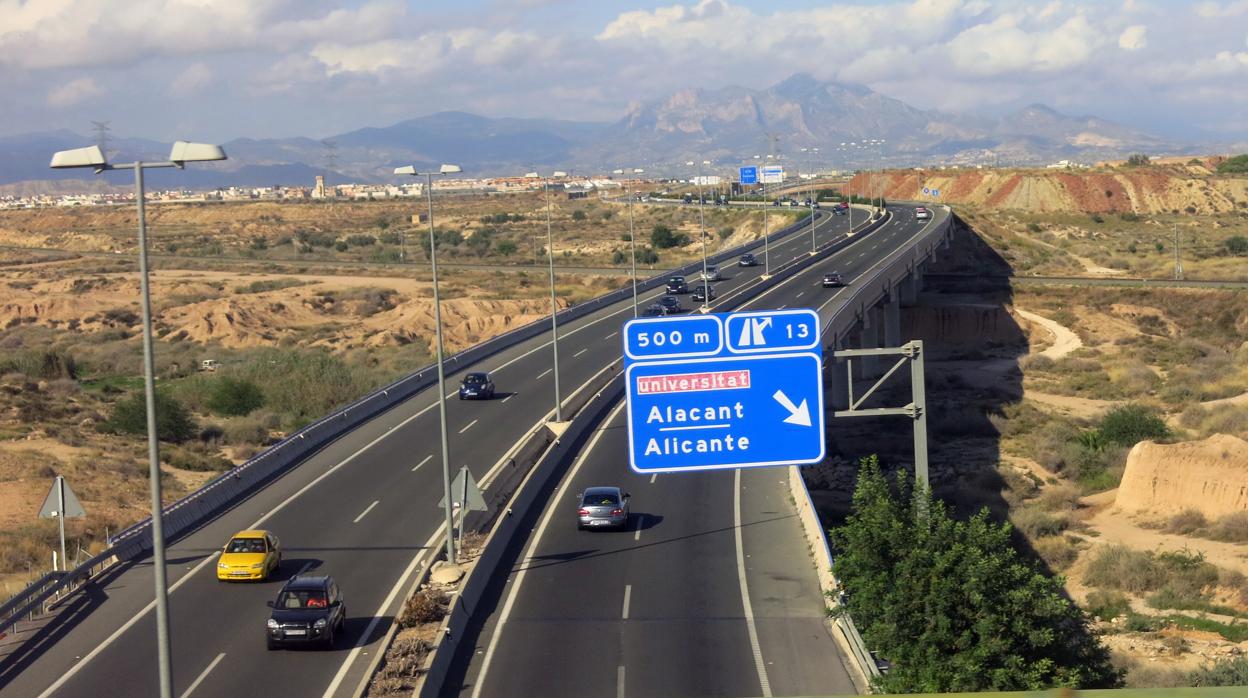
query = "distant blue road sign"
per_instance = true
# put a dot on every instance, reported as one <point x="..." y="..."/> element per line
<point x="749" y="175"/>
<point x="926" y="191"/>
<point x="936" y="193"/>
<point x="718" y="391"/>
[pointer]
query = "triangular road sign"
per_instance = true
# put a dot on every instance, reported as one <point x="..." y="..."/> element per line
<point x="475" y="501"/>
<point x="52" y="503"/>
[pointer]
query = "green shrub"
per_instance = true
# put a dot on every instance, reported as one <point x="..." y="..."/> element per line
<point x="48" y="364"/>
<point x="1107" y="605"/>
<point x="1036" y="523"/>
<point x="1236" y="165"/>
<point x="505" y="247"/>
<point x="245" y="430"/>
<point x="341" y="246"/>
<point x="663" y="238"/>
<point x="1236" y="244"/>
<point x="1033" y="228"/>
<point x="1137" y="160"/>
<point x="1130" y="424"/>
<point x="578" y="215"/>
<point x="1186" y="522"/>
<point x="1119" y="567"/>
<point x="268" y="285"/>
<point x="173" y="421"/>
<point x="200" y="461"/>
<point x="1224" y="672"/>
<point x="391" y="238"/>
<point x="361" y="240"/>
<point x="234" y="397"/>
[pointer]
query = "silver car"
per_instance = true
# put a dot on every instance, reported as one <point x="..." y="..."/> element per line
<point x="602" y="507"/>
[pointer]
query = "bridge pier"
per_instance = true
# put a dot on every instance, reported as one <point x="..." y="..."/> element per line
<point x="835" y="383"/>
<point x="869" y="338"/>
<point x="892" y="317"/>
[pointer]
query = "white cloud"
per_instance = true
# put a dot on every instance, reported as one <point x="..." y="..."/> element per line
<point x="1133" y="38"/>
<point x="1216" y="10"/>
<point x="73" y="92"/>
<point x="192" y="81"/>
<point x="42" y="34"/>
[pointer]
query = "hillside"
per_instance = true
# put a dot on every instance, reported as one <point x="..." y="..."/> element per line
<point x="1153" y="189"/>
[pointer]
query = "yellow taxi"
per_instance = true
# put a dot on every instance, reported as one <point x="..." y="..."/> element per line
<point x="250" y="555"/>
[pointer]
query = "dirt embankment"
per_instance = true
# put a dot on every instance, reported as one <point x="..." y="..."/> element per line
<point x="1157" y="189"/>
<point x="1210" y="476"/>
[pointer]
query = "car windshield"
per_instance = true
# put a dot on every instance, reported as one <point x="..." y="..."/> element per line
<point x="600" y="499"/>
<point x="246" y="545"/>
<point x="307" y="598"/>
<point x="474" y="378"/>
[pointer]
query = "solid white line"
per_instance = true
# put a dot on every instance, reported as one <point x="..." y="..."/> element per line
<point x="469" y="426"/>
<point x="580" y="352"/>
<point x="640" y="521"/>
<point x="203" y="675"/>
<point x="372" y="625"/>
<point x="185" y="578"/>
<point x="745" y="592"/>
<point x="426" y="460"/>
<point x="628" y="593"/>
<point x="699" y="426"/>
<point x="619" y="682"/>
<point x="611" y="335"/>
<point x="533" y="545"/>
<point x="543" y="373"/>
<point x="365" y="512"/>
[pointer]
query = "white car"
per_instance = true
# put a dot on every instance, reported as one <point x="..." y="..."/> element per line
<point x="711" y="273"/>
<point x="922" y="214"/>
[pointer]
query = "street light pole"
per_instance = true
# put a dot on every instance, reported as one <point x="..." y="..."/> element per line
<point x="554" y="321"/>
<point x="702" y="217"/>
<point x="632" y="238"/>
<point x="181" y="153"/>
<point x="813" y="197"/>
<point x="438" y="349"/>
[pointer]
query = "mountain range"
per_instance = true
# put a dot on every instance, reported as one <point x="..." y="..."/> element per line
<point x="728" y="126"/>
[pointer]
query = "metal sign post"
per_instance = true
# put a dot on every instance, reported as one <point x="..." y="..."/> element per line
<point x="715" y="391"/>
<point x="911" y="352"/>
<point x="60" y="504"/>
<point x="469" y="499"/>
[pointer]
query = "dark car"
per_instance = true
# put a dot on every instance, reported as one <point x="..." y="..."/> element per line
<point x="671" y="304"/>
<point x="308" y="610"/>
<point x="747" y="260"/>
<point x="833" y="280"/>
<point x="654" y="310"/>
<point x="602" y="507"/>
<point x="476" y="386"/>
<point x="677" y="284"/>
<point x="704" y="292"/>
<point x="840" y="209"/>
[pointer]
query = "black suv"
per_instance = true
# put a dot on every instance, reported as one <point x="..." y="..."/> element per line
<point x="704" y="292"/>
<point x="476" y="386"/>
<point x="677" y="284"/>
<point x="671" y="304"/>
<point x="308" y="610"/>
<point x="747" y="260"/>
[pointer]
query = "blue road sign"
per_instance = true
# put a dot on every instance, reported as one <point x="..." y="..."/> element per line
<point x="926" y="191"/>
<point x="749" y="175"/>
<point x="936" y="193"/>
<point x="733" y="390"/>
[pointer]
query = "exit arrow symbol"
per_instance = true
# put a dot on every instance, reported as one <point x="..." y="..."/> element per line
<point x="799" y="415"/>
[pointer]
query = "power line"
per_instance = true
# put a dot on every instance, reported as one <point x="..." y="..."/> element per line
<point x="102" y="136"/>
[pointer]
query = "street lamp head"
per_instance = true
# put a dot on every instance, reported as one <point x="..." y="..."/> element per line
<point x="531" y="175"/>
<point x="450" y="169"/>
<point x="405" y="170"/>
<point x="183" y="151"/>
<point x="619" y="172"/>
<point x="559" y="173"/>
<point x="79" y="157"/>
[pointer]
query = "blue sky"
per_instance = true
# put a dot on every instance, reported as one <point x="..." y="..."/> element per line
<point x="220" y="69"/>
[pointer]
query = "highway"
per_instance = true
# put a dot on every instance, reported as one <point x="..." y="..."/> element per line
<point x="710" y="591"/>
<point x="363" y="509"/>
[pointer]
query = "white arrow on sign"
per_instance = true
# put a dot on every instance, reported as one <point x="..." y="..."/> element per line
<point x="799" y="415"/>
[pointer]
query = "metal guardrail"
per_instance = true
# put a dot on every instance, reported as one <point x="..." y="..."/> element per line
<point x="189" y="512"/>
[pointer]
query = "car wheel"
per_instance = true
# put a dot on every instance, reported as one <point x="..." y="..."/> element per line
<point x="270" y="644"/>
<point x="329" y="639"/>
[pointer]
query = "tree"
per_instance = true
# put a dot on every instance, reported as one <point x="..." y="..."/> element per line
<point x="1237" y="164"/>
<point x="506" y="248"/>
<point x="663" y="238"/>
<point x="951" y="604"/>
<point x="578" y="215"/>
<point x="173" y="421"/>
<point x="1127" y="425"/>
<point x="234" y="397"/>
<point x="1137" y="160"/>
<point x="1237" y="244"/>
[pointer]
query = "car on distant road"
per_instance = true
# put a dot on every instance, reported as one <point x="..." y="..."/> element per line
<point x="602" y="507"/>
<point x="677" y="284"/>
<point x="308" y="610"/>
<point x="711" y="273"/>
<point x="476" y="386"/>
<point x="833" y="280"/>
<point x="654" y="310"/>
<point x="671" y="304"/>
<point x="922" y="214"/>
<point x="840" y="209"/>
<point x="747" y="260"/>
<point x="703" y="293"/>
<point x="252" y="554"/>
